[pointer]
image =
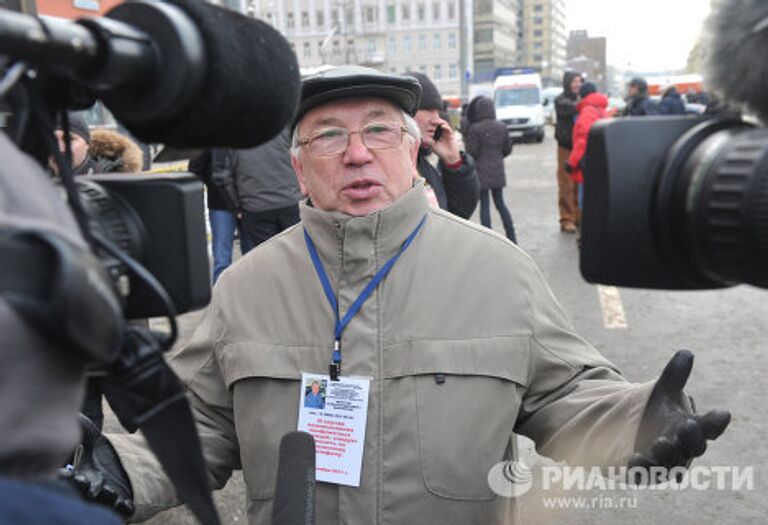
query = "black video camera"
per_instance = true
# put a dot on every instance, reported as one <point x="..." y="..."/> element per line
<point x="676" y="203"/>
<point x="682" y="202"/>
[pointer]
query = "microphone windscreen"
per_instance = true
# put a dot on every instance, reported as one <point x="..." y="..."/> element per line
<point x="250" y="90"/>
<point x="735" y="49"/>
<point x="294" y="502"/>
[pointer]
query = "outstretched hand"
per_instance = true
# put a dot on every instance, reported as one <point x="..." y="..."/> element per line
<point x="670" y="433"/>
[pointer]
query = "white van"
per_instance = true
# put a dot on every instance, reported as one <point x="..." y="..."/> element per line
<point x="519" y="105"/>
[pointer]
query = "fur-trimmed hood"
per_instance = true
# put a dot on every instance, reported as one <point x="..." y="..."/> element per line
<point x="115" y="152"/>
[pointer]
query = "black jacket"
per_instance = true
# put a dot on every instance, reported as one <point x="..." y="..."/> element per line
<point x="488" y="142"/>
<point x="565" y="109"/>
<point x="640" y="105"/>
<point x="456" y="190"/>
<point x="671" y="103"/>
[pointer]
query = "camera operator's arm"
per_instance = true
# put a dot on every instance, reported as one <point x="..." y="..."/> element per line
<point x="224" y="177"/>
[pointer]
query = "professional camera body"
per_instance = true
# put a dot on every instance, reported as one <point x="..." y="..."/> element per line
<point x="682" y="202"/>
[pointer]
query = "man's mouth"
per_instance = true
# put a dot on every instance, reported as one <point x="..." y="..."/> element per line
<point x="361" y="189"/>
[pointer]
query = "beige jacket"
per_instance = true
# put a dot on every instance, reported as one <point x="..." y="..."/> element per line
<point x="461" y="301"/>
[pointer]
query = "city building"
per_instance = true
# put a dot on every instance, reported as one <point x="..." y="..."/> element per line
<point x="587" y="55"/>
<point x="544" y="38"/>
<point x="390" y="35"/>
<point x="497" y="27"/>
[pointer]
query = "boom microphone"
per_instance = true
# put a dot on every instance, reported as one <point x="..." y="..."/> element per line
<point x="180" y="72"/>
<point x="738" y="39"/>
<point x="294" y="502"/>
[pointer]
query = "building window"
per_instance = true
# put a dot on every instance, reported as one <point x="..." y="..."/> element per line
<point x="349" y="16"/>
<point x="405" y="11"/>
<point x="537" y="32"/>
<point x="537" y="20"/>
<point x="270" y="19"/>
<point x="390" y="14"/>
<point x="452" y="71"/>
<point x="392" y="44"/>
<point x="393" y="70"/>
<point x="336" y="48"/>
<point x="451" y="40"/>
<point x="422" y="42"/>
<point x="451" y="10"/>
<point x="307" y="50"/>
<point x="335" y="18"/>
<point x="420" y="12"/>
<point x="304" y="19"/>
<point x="438" y="72"/>
<point x="538" y="8"/>
<point x="406" y="43"/>
<point x="370" y="14"/>
<point x="320" y="17"/>
<point x="483" y="35"/>
<point x="436" y="41"/>
<point x="537" y="45"/>
<point x="538" y="58"/>
<point x="320" y="49"/>
<point x="289" y="21"/>
<point x="423" y="69"/>
<point x="371" y="45"/>
<point x="436" y="10"/>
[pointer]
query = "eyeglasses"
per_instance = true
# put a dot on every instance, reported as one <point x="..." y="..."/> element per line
<point x="375" y="136"/>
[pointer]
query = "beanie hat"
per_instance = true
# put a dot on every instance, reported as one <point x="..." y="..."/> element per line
<point x="639" y="83"/>
<point x="430" y="96"/>
<point x="587" y="88"/>
<point x="78" y="126"/>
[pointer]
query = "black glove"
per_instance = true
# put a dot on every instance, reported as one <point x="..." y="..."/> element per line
<point x="670" y="434"/>
<point x="97" y="472"/>
<point x="568" y="169"/>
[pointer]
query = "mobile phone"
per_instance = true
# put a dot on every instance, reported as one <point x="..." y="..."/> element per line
<point x="438" y="133"/>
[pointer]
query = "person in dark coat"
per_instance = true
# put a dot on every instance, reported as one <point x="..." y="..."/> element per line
<point x="488" y="142"/>
<point x="638" y="102"/>
<point x="671" y="102"/>
<point x="453" y="181"/>
<point x="565" y="109"/>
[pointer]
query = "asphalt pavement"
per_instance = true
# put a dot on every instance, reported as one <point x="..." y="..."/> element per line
<point x="638" y="330"/>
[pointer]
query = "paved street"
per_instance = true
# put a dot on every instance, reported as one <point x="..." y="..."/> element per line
<point x="725" y="329"/>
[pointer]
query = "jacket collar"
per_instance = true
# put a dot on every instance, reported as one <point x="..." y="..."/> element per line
<point x="348" y="242"/>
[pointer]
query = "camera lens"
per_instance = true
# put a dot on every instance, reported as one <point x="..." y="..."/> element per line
<point x="711" y="213"/>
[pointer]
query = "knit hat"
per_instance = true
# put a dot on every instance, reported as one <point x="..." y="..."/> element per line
<point x="430" y="96"/>
<point x="640" y="83"/>
<point x="587" y="88"/>
<point x="78" y="126"/>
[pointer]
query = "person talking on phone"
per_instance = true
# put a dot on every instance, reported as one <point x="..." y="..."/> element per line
<point x="454" y="181"/>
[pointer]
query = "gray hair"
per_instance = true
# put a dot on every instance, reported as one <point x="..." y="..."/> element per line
<point x="414" y="133"/>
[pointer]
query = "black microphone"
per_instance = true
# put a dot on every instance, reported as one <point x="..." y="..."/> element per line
<point x="736" y="46"/>
<point x="181" y="72"/>
<point x="294" y="502"/>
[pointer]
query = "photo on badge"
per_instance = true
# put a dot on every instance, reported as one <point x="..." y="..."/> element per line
<point x="314" y="393"/>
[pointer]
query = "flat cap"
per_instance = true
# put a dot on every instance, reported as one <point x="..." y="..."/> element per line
<point x="345" y="82"/>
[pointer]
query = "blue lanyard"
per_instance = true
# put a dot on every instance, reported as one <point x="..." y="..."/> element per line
<point x="341" y="323"/>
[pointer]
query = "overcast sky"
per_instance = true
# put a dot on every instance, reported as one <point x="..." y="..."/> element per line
<point x="642" y="35"/>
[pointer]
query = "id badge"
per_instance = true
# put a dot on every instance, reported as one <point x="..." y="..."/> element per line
<point x="335" y="413"/>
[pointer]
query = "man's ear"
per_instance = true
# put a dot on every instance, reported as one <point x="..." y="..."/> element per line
<point x="299" y="170"/>
<point x="413" y="151"/>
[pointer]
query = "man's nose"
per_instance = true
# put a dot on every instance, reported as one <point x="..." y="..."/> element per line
<point x="356" y="152"/>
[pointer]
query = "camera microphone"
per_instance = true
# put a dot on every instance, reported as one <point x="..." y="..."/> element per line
<point x="179" y="72"/>
<point x="294" y="502"/>
<point x="738" y="39"/>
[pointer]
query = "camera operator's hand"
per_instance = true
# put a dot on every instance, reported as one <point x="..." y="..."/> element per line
<point x="670" y="434"/>
<point x="98" y="473"/>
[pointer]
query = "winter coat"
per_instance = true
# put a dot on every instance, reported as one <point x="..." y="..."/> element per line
<point x="257" y="179"/>
<point x="460" y="302"/>
<point x="111" y="152"/>
<point x="456" y="190"/>
<point x="565" y="109"/>
<point x="640" y="105"/>
<point x="671" y="104"/>
<point x="202" y="166"/>
<point x="488" y="142"/>
<point x="591" y="109"/>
